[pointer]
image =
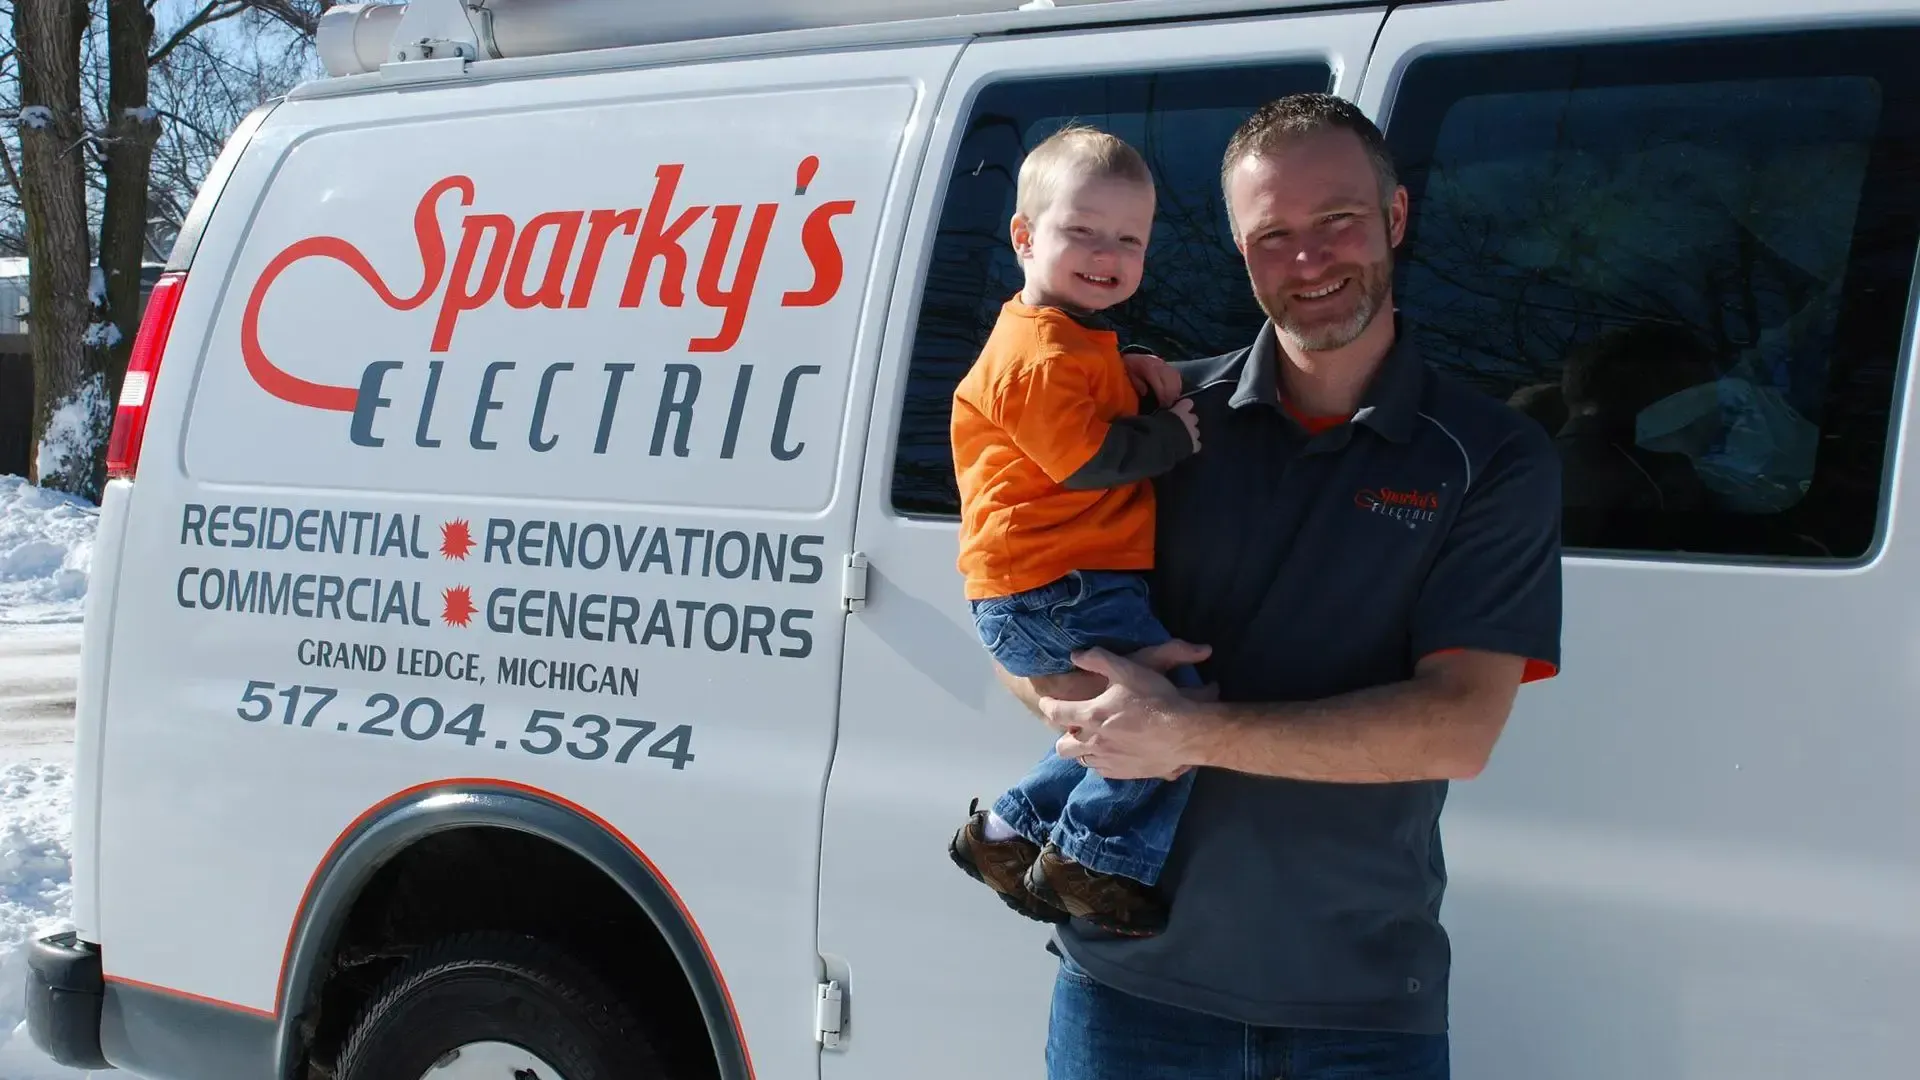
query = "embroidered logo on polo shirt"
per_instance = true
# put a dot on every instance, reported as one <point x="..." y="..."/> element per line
<point x="1401" y="504"/>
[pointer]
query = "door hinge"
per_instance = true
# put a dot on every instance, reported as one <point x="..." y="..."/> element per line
<point x="853" y="582"/>
<point x="829" y="1007"/>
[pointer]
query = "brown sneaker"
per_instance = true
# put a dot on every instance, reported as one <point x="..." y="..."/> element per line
<point x="1000" y="865"/>
<point x="1118" y="905"/>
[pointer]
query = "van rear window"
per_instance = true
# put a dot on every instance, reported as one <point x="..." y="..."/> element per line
<point x="1690" y="261"/>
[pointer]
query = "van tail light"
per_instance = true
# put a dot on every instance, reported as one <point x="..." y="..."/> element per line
<point x="143" y="366"/>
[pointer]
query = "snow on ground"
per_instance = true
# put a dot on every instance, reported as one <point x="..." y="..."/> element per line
<point x="46" y="546"/>
<point x="36" y="890"/>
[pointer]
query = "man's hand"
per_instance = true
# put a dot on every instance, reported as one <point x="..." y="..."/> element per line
<point x="1170" y="654"/>
<point x="1088" y="682"/>
<point x="1149" y="372"/>
<point x="1136" y="728"/>
<point x="1078" y="685"/>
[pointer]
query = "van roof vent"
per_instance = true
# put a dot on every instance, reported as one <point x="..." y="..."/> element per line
<point x="357" y="38"/>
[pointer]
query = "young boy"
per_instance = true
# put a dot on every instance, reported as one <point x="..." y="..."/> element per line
<point x="1054" y="459"/>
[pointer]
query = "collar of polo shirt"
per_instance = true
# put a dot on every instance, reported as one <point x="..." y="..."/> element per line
<point x="1389" y="407"/>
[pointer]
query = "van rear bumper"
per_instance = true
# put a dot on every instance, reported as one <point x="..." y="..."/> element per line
<point x="65" y="991"/>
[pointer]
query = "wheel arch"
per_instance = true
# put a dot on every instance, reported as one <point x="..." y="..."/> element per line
<point x="389" y="828"/>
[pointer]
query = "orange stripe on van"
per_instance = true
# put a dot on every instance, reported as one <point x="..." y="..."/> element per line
<point x="286" y="956"/>
<point x="198" y="998"/>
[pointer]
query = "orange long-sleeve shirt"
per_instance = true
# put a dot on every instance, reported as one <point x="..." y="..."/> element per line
<point x="1052" y="455"/>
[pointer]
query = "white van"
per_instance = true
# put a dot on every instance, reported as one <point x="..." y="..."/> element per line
<point x="530" y="552"/>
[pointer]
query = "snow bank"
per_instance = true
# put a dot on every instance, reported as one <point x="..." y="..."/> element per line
<point x="36" y="895"/>
<point x="46" y="549"/>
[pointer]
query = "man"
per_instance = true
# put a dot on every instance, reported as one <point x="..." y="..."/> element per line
<point x="1367" y="555"/>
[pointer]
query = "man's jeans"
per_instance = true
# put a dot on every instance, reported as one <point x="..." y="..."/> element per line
<point x="1109" y="826"/>
<point x="1098" y="1033"/>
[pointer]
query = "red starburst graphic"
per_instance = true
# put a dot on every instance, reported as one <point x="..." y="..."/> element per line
<point x="456" y="539"/>
<point x="457" y="606"/>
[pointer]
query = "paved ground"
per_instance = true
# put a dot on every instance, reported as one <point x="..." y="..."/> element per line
<point x="38" y="666"/>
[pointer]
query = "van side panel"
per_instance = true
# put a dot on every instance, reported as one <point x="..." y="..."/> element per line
<point x="502" y="438"/>
<point x="116" y="501"/>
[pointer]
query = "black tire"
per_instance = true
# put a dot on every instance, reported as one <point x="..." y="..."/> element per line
<point x="493" y="987"/>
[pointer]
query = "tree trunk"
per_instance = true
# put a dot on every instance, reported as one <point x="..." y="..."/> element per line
<point x="132" y="129"/>
<point x="47" y="35"/>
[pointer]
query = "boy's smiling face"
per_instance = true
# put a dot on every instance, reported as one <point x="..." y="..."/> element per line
<point x="1088" y="248"/>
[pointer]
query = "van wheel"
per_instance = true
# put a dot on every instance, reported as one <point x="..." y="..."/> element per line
<point x="496" y="1007"/>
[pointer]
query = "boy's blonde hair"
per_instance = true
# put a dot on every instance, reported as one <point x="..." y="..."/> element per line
<point x="1074" y="150"/>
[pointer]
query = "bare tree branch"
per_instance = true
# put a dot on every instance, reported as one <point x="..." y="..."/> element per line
<point x="212" y="12"/>
<point x="301" y="16"/>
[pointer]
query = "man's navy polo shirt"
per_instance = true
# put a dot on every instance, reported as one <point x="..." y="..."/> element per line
<point x="1315" y="565"/>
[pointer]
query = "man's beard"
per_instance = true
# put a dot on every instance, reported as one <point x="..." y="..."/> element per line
<point x="1373" y="283"/>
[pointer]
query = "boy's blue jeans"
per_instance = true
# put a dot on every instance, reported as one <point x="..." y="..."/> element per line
<point x="1120" y="827"/>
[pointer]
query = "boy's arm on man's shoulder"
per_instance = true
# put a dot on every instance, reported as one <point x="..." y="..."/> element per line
<point x="1136" y="448"/>
<point x="1049" y="407"/>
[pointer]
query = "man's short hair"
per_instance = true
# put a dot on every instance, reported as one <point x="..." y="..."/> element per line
<point x="1075" y="150"/>
<point x="1280" y="121"/>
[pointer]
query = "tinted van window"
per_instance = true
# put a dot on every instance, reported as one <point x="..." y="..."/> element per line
<point x="1690" y="260"/>
<point x="1194" y="299"/>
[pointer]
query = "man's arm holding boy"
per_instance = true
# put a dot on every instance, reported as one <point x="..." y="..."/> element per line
<point x="1487" y="621"/>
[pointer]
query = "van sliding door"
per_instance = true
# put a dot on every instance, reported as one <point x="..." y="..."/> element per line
<point x="942" y="980"/>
